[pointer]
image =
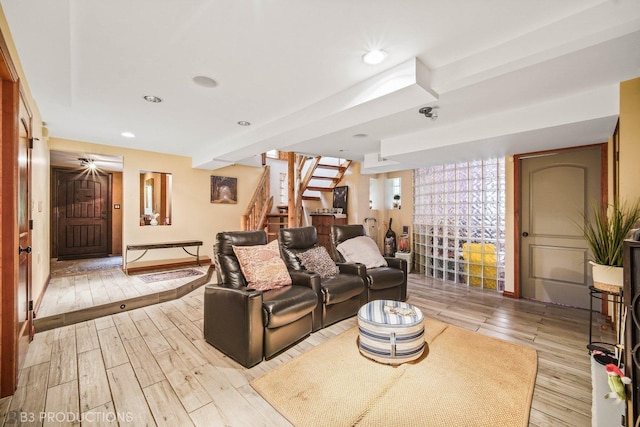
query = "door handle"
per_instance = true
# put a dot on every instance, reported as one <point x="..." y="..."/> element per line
<point x="22" y="250"/>
<point x="525" y="234"/>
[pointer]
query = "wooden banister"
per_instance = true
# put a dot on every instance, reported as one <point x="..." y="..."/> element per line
<point x="259" y="205"/>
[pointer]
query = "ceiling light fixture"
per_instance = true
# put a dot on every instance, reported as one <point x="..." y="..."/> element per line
<point x="152" y="98"/>
<point x="429" y="112"/>
<point x="128" y="135"/>
<point x="374" y="57"/>
<point x="205" y="81"/>
<point x="244" y="123"/>
<point x="87" y="163"/>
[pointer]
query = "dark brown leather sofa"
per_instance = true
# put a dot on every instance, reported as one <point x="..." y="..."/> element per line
<point x="340" y="297"/>
<point x="382" y="282"/>
<point x="249" y="325"/>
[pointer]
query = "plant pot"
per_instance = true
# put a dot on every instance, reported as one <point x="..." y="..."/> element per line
<point x="607" y="278"/>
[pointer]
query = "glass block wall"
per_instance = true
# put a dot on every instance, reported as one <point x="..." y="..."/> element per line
<point x="459" y="223"/>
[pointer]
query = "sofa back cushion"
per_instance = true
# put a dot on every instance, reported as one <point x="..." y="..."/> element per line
<point x="340" y="233"/>
<point x="294" y="241"/>
<point x="227" y="266"/>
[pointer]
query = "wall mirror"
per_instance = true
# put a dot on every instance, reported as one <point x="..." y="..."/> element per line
<point x="155" y="198"/>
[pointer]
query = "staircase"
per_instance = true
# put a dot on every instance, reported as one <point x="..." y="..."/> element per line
<point x="323" y="174"/>
<point x="259" y="205"/>
<point x="276" y="221"/>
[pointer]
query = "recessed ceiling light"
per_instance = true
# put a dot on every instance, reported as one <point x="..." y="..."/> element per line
<point x="374" y="57"/>
<point x="128" y="135"/>
<point x="205" y="81"/>
<point x="152" y="98"/>
<point x="360" y="135"/>
<point x="244" y="123"/>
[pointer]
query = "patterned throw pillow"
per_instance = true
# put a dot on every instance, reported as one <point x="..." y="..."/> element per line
<point x="317" y="259"/>
<point x="262" y="266"/>
<point x="362" y="249"/>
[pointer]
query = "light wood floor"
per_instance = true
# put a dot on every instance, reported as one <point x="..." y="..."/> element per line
<point x="90" y="287"/>
<point x="151" y="366"/>
<point x="86" y="289"/>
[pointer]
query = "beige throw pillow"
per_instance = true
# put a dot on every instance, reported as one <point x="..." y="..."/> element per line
<point x="262" y="266"/>
<point x="319" y="261"/>
<point x="362" y="249"/>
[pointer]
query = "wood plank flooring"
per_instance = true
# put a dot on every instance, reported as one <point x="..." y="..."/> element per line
<point x="87" y="294"/>
<point x="151" y="366"/>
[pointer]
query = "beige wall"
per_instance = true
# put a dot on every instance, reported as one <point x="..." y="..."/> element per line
<point x="629" y="139"/>
<point x="358" y="204"/>
<point x="193" y="214"/>
<point x="39" y="176"/>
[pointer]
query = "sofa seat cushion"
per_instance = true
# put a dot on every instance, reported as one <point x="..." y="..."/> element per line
<point x="385" y="277"/>
<point x="286" y="305"/>
<point x="342" y="287"/>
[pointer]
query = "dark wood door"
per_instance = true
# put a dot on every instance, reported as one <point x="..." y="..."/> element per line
<point x="82" y="209"/>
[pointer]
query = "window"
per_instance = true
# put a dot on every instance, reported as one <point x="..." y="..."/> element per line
<point x="283" y="188"/>
<point x="459" y="222"/>
<point x="396" y="193"/>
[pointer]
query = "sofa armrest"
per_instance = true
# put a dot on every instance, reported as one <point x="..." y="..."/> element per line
<point x="233" y="322"/>
<point x="311" y="280"/>
<point x="398" y="263"/>
<point x="305" y="278"/>
<point x="352" y="268"/>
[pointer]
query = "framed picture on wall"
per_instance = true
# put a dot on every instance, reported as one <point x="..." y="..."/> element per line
<point x="224" y="190"/>
<point x="340" y="198"/>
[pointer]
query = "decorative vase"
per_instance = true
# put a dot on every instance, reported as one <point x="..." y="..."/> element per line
<point x="607" y="278"/>
<point x="154" y="221"/>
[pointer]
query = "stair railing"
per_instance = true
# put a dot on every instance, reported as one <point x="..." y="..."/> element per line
<point x="259" y="205"/>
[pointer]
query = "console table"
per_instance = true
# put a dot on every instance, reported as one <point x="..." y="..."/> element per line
<point x="147" y="246"/>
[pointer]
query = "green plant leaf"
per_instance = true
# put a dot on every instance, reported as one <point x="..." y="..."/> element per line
<point x="605" y="230"/>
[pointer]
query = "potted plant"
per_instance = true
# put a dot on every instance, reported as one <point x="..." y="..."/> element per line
<point x="605" y="233"/>
<point x="396" y="201"/>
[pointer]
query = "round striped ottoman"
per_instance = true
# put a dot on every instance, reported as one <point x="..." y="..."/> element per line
<point x="391" y="332"/>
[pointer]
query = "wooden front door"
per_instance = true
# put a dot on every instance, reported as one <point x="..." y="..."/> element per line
<point x="556" y="188"/>
<point x="15" y="225"/>
<point x="82" y="214"/>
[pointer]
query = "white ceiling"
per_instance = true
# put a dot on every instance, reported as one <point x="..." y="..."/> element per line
<point x="506" y="76"/>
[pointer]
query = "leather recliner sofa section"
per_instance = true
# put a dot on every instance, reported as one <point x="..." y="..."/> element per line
<point x="340" y="296"/>
<point x="249" y="325"/>
<point x="382" y="282"/>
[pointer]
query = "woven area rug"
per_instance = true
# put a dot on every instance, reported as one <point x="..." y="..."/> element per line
<point x="170" y="275"/>
<point x="82" y="266"/>
<point x="463" y="379"/>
